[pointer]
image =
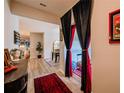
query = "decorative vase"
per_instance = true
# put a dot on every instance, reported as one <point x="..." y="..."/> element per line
<point x="39" y="56"/>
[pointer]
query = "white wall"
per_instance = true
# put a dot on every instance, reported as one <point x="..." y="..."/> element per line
<point x="50" y="37"/>
<point x="11" y="24"/>
<point x="62" y="61"/>
<point x="105" y="56"/>
<point x="51" y="32"/>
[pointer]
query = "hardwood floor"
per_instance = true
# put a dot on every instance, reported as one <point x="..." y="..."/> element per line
<point x="38" y="68"/>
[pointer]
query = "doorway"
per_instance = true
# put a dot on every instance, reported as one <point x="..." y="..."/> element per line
<point x="76" y="55"/>
<point x="36" y="38"/>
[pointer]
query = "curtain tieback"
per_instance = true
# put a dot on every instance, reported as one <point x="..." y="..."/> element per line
<point x="68" y="49"/>
<point x="84" y="49"/>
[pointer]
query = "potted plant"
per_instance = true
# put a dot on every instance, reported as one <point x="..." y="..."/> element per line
<point x="39" y="48"/>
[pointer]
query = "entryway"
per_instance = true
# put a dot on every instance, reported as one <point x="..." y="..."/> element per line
<point x="76" y="56"/>
<point x="37" y="44"/>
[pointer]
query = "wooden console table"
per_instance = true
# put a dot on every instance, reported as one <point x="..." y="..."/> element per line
<point x="16" y="81"/>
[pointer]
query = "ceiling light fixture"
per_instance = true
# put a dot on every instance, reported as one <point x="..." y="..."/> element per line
<point x="42" y="4"/>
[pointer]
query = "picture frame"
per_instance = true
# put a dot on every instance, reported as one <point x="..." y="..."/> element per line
<point x="61" y="35"/>
<point x="16" y="38"/>
<point x="7" y="57"/>
<point x="114" y="26"/>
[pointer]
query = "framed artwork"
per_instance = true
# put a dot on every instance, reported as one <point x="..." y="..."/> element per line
<point x="7" y="57"/>
<point x="16" y="38"/>
<point x="114" y="26"/>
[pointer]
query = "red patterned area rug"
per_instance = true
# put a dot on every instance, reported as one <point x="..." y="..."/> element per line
<point x="50" y="84"/>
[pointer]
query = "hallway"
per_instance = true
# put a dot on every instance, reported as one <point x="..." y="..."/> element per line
<point x="38" y="68"/>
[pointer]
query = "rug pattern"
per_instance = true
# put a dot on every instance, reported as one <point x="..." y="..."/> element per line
<point x="50" y="84"/>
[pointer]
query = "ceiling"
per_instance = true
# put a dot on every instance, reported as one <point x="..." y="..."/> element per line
<point x="27" y="25"/>
<point x="56" y="7"/>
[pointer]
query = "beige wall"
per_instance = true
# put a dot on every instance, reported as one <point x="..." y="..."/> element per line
<point x="11" y="23"/>
<point x="26" y="11"/>
<point x="105" y="56"/>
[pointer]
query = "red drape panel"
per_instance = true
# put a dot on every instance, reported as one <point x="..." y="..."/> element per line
<point x="72" y="38"/>
<point x="88" y="80"/>
<point x="89" y="73"/>
<point x="66" y="29"/>
<point x="82" y="16"/>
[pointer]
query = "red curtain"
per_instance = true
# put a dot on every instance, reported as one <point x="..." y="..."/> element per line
<point x="68" y="33"/>
<point x="88" y="71"/>
<point x="88" y="80"/>
<point x="71" y="41"/>
<point x="82" y="16"/>
<point x="66" y="29"/>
